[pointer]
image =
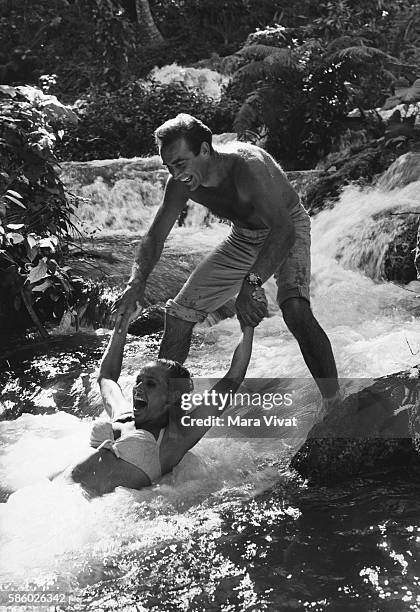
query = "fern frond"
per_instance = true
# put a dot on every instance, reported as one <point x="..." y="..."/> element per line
<point x="270" y="67"/>
<point x="259" y="52"/>
<point x="363" y="53"/>
<point x="255" y="71"/>
<point x="346" y="42"/>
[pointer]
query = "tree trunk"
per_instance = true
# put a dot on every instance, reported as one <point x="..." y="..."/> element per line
<point x="147" y="23"/>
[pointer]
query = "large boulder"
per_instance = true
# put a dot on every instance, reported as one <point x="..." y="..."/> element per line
<point x="398" y="262"/>
<point x="404" y="170"/>
<point x="372" y="431"/>
<point x="382" y="247"/>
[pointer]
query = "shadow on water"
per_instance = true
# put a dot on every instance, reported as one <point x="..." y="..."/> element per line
<point x="351" y="548"/>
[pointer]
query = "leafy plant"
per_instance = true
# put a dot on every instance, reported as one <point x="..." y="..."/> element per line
<point x="35" y="212"/>
<point x="122" y="123"/>
<point x="296" y="91"/>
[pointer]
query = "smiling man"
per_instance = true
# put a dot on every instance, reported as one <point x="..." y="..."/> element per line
<point x="270" y="235"/>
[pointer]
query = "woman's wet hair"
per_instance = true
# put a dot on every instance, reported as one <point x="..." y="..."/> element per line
<point x="179" y="377"/>
<point x="194" y="131"/>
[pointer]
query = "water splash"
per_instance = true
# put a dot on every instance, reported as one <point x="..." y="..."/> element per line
<point x="210" y="82"/>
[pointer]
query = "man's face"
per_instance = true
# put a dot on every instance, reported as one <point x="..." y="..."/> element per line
<point x="183" y="164"/>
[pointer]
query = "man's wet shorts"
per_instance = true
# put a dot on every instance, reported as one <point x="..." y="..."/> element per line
<point x="220" y="275"/>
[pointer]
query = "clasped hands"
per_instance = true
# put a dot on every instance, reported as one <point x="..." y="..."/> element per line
<point x="129" y="305"/>
<point x="251" y="305"/>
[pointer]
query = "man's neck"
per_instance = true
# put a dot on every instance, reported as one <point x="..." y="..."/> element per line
<point x="218" y="169"/>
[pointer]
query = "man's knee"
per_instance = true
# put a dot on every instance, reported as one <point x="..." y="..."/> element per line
<point x="297" y="313"/>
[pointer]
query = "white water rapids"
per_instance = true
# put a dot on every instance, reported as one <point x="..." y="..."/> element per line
<point x="51" y="535"/>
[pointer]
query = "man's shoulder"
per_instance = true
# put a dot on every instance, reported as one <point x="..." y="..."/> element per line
<point x="253" y="165"/>
<point x="244" y="152"/>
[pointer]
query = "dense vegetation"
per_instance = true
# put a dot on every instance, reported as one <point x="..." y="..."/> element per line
<point x="296" y="68"/>
<point x="295" y="71"/>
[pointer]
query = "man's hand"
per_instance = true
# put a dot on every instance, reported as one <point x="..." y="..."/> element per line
<point x="129" y="305"/>
<point x="251" y="305"/>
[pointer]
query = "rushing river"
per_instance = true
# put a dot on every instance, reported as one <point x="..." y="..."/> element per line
<point x="231" y="528"/>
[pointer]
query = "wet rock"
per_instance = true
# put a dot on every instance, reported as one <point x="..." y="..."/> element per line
<point x="102" y="270"/>
<point x="404" y="170"/>
<point x="382" y="247"/>
<point x="362" y="165"/>
<point x="150" y="321"/>
<point x="374" y="430"/>
<point x="398" y="262"/>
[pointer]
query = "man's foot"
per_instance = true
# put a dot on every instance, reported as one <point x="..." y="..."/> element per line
<point x="328" y="404"/>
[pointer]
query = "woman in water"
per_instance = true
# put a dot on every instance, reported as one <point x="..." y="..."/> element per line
<point x="145" y="440"/>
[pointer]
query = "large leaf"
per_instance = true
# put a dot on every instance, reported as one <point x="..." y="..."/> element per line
<point x="47" y="243"/>
<point x="15" y="238"/>
<point x="32" y="240"/>
<point x="8" y="91"/>
<point x="39" y="272"/>
<point x="40" y="288"/>
<point x="409" y="94"/>
<point x="14" y="193"/>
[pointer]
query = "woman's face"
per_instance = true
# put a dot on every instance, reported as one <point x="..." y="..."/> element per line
<point x="151" y="393"/>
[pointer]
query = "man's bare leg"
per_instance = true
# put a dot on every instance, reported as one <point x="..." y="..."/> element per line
<point x="176" y="339"/>
<point x="314" y="344"/>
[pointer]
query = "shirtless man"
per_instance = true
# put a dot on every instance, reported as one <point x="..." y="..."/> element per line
<point x="270" y="235"/>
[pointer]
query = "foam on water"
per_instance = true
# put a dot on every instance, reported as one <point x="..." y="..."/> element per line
<point x="51" y="529"/>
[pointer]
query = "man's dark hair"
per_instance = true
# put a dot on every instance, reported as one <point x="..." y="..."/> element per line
<point x="184" y="126"/>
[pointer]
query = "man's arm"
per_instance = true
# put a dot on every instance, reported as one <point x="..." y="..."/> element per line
<point x="271" y="197"/>
<point x="150" y="248"/>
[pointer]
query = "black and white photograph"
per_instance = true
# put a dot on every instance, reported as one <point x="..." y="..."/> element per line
<point x="210" y="305"/>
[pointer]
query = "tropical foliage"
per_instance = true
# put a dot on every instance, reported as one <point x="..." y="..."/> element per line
<point x="35" y="212"/>
<point x="121" y="123"/>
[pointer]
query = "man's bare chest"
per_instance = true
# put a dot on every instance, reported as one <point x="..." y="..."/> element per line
<point x="223" y="201"/>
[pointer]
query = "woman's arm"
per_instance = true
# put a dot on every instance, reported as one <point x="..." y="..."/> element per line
<point x="110" y="369"/>
<point x="228" y="384"/>
<point x="241" y="357"/>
